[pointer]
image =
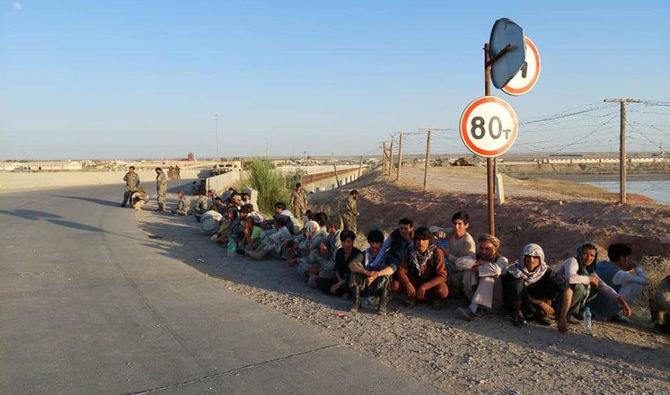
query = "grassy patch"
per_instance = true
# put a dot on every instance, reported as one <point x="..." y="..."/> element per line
<point x="269" y="182"/>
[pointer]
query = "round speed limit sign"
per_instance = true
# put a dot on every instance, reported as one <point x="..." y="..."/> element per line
<point x="489" y="126"/>
<point x="524" y="80"/>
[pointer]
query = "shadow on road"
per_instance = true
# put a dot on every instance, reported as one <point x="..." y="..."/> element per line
<point x="29" y="214"/>
<point x="93" y="200"/>
<point x="186" y="244"/>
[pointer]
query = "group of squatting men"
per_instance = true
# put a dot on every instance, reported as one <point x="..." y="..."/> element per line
<point x="423" y="265"/>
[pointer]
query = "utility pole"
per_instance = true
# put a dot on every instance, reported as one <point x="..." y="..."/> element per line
<point x="425" y="170"/>
<point x="622" y="145"/>
<point x="216" y="131"/>
<point x="397" y="177"/>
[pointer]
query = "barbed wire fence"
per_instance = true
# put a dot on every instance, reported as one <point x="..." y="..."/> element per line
<point x="587" y="133"/>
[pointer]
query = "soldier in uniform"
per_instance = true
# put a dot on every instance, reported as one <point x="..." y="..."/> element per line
<point x="298" y="201"/>
<point x="177" y="171"/>
<point x="139" y="199"/>
<point x="161" y="188"/>
<point x="132" y="180"/>
<point x="183" y="206"/>
<point x="350" y="213"/>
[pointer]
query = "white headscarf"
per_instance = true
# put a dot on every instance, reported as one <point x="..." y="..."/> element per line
<point x="519" y="270"/>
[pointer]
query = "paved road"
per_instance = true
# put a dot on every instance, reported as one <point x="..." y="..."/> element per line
<point x="88" y="306"/>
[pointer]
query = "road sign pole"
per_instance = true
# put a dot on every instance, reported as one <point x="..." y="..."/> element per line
<point x="489" y="161"/>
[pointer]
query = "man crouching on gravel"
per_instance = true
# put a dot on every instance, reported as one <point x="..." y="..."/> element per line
<point x="422" y="275"/>
<point x="373" y="277"/>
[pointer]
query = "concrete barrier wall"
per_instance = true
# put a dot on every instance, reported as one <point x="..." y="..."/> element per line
<point x="603" y="160"/>
<point x="223" y="181"/>
<point x="11" y="181"/>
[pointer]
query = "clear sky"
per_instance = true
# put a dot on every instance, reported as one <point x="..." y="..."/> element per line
<point x="128" y="79"/>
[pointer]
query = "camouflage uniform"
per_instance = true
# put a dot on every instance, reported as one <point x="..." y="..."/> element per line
<point x="132" y="185"/>
<point x="183" y="207"/>
<point x="350" y="214"/>
<point x="161" y="190"/>
<point x="138" y="200"/>
<point x="299" y="203"/>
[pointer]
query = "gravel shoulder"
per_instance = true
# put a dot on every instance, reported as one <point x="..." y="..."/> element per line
<point x="488" y="355"/>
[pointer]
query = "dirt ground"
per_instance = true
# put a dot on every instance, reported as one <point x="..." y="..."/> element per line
<point x="488" y="355"/>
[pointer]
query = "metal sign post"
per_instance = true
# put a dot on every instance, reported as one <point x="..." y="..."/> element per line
<point x="489" y="125"/>
<point x="489" y="160"/>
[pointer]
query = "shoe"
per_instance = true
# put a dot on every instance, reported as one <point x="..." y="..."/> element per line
<point x="123" y="205"/>
<point x="542" y="319"/>
<point x="382" y="309"/>
<point x="518" y="322"/>
<point x="409" y="302"/>
<point x="620" y="319"/>
<point x="573" y="320"/>
<point x="356" y="304"/>
<point x="466" y="314"/>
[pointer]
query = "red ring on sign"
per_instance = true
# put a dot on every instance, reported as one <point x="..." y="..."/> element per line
<point x="465" y="136"/>
<point x="531" y="84"/>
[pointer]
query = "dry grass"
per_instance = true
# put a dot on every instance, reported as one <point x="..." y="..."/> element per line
<point x="570" y="188"/>
<point x="657" y="269"/>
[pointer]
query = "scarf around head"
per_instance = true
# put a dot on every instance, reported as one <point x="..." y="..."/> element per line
<point x="583" y="269"/>
<point x="519" y="270"/>
<point x="417" y="260"/>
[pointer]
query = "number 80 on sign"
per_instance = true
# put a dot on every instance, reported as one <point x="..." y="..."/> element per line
<point x="489" y="126"/>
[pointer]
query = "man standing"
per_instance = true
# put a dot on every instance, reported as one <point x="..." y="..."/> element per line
<point x="350" y="213"/>
<point x="298" y="201"/>
<point x="161" y="188"/>
<point x="132" y="180"/>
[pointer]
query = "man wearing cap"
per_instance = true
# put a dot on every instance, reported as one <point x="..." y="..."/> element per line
<point x="132" y="180"/>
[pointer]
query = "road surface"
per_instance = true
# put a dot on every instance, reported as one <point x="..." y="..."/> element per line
<point x="88" y="304"/>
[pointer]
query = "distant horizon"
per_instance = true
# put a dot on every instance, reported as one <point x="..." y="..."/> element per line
<point x="339" y="157"/>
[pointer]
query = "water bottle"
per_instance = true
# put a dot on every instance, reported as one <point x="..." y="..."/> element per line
<point x="588" y="325"/>
<point x="232" y="247"/>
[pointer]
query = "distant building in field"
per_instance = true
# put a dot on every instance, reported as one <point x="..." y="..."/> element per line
<point x="191" y="157"/>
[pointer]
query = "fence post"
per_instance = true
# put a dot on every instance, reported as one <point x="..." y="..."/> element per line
<point x="391" y="157"/>
<point x="425" y="170"/>
<point x="397" y="177"/>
